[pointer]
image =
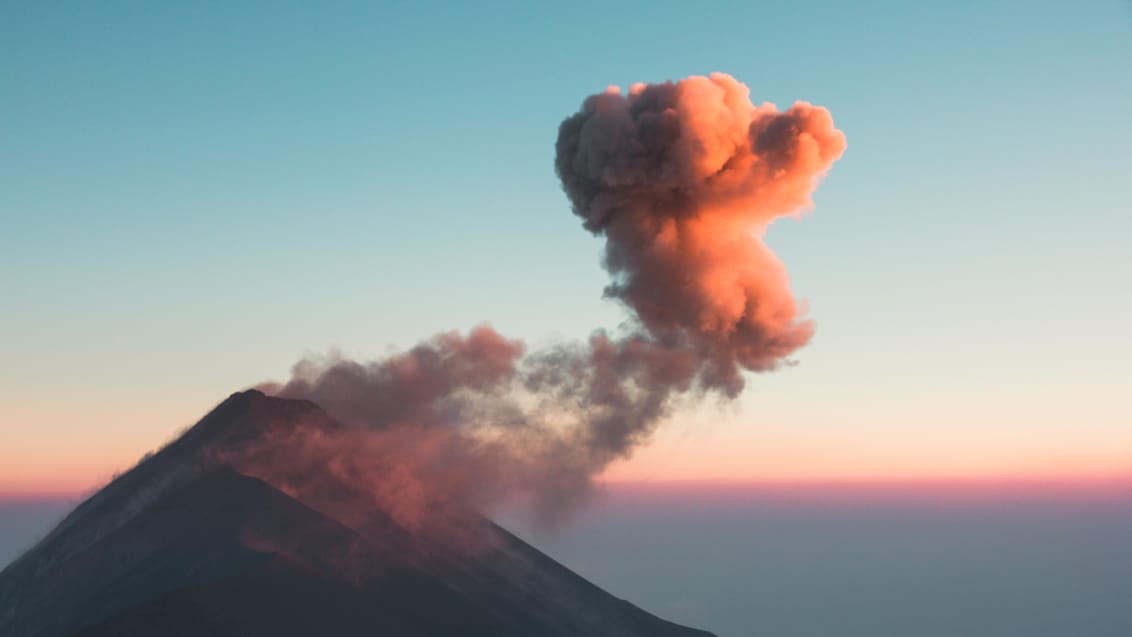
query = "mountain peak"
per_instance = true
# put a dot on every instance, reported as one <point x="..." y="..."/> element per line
<point x="251" y="414"/>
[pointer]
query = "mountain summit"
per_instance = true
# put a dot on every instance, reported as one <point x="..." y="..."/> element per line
<point x="185" y="544"/>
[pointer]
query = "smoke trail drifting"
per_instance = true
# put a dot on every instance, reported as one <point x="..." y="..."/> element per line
<point x="682" y="180"/>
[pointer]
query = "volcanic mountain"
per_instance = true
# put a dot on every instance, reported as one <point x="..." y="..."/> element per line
<point x="185" y="544"/>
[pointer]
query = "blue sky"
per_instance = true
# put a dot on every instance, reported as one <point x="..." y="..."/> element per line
<point x="193" y="196"/>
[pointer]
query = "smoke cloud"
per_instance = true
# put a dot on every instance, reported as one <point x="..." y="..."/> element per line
<point x="681" y="179"/>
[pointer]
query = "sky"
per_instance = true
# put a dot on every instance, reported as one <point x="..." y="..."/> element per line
<point x="192" y="197"/>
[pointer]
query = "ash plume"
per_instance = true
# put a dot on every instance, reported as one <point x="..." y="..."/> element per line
<point x="681" y="179"/>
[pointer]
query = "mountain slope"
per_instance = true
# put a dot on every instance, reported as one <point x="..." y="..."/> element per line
<point x="183" y="545"/>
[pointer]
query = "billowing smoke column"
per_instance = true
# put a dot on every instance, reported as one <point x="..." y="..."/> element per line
<point x="682" y="180"/>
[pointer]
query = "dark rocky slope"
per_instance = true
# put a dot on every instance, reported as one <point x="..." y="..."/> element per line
<point x="181" y="545"/>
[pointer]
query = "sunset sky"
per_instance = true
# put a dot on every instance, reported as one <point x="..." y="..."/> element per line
<point x="192" y="198"/>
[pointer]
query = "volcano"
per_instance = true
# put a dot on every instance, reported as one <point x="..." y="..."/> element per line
<point x="183" y="544"/>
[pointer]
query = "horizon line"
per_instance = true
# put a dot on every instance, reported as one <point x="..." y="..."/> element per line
<point x="1035" y="483"/>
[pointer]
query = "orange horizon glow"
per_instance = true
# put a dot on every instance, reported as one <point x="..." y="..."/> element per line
<point x="788" y="442"/>
<point x="1048" y="484"/>
<point x="74" y="472"/>
<point x="629" y="474"/>
<point x="1028" y="483"/>
<point x="672" y="462"/>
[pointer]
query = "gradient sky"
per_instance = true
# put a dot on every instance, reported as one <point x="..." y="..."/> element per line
<point x="193" y="196"/>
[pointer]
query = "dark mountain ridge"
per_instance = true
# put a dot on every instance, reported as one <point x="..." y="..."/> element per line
<point x="184" y="545"/>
